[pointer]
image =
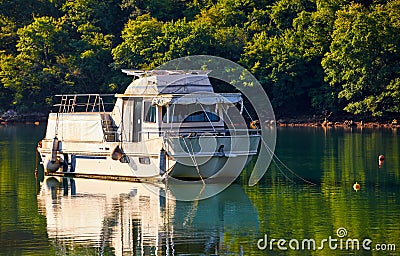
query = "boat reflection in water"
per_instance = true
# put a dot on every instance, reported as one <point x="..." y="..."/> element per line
<point x="125" y="218"/>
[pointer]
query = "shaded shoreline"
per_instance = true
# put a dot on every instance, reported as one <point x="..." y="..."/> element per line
<point x="12" y="117"/>
<point x="345" y="124"/>
<point x="340" y="121"/>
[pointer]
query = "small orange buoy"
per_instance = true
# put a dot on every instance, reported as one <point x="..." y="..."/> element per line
<point x="356" y="186"/>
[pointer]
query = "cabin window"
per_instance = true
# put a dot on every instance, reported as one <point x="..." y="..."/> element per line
<point x="164" y="114"/>
<point x="201" y="116"/>
<point x="149" y="112"/>
<point x="189" y="113"/>
<point x="144" y="160"/>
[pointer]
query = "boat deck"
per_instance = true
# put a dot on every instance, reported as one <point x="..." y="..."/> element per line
<point x="104" y="177"/>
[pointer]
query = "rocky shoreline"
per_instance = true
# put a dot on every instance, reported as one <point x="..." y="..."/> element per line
<point x="12" y="117"/>
<point x="339" y="121"/>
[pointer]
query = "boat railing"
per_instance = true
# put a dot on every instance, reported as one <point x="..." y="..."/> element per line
<point x="145" y="135"/>
<point x="91" y="103"/>
<point x="224" y="132"/>
<point x="72" y="103"/>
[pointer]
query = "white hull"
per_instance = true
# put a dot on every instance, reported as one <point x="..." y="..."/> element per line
<point x="216" y="168"/>
<point x="178" y="163"/>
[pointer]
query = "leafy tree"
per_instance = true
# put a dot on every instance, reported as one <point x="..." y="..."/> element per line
<point x="320" y="54"/>
<point x="34" y="73"/>
<point x="163" y="10"/>
<point x="95" y="16"/>
<point x="148" y="42"/>
<point x="24" y="11"/>
<point x="288" y="64"/>
<point x="139" y="43"/>
<point x="313" y="30"/>
<point x="8" y="34"/>
<point x="194" y="8"/>
<point x="182" y="38"/>
<point x="363" y="59"/>
<point x="92" y="26"/>
<point x="283" y="12"/>
<point x="227" y="13"/>
<point x="7" y="65"/>
<point x="230" y="42"/>
<point x="258" y="21"/>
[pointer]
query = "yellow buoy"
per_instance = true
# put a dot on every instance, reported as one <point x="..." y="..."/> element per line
<point x="356" y="186"/>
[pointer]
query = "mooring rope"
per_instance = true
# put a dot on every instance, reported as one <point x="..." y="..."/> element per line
<point x="191" y="154"/>
<point x="193" y="209"/>
<point x="57" y="123"/>
<point x="274" y="156"/>
<point x="280" y="170"/>
<point x="248" y="114"/>
<point x="208" y="118"/>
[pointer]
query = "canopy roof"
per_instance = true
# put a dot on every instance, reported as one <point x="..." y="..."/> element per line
<point x="168" y="82"/>
<point x="177" y="87"/>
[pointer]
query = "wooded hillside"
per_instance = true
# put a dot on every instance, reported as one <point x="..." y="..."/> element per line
<point x="309" y="55"/>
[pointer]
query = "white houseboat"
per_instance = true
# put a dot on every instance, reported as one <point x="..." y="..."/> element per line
<point x="166" y="123"/>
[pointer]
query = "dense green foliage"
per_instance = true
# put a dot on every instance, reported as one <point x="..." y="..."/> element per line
<point x="310" y="55"/>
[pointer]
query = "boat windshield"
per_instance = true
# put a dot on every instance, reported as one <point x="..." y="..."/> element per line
<point x="189" y="113"/>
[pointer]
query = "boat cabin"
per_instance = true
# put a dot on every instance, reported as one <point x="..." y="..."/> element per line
<point x="170" y="101"/>
<point x="156" y="102"/>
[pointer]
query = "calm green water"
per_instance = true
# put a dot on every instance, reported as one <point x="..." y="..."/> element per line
<point x="91" y="217"/>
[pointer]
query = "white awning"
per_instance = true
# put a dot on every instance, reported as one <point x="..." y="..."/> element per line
<point x="170" y="84"/>
<point x="204" y="99"/>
